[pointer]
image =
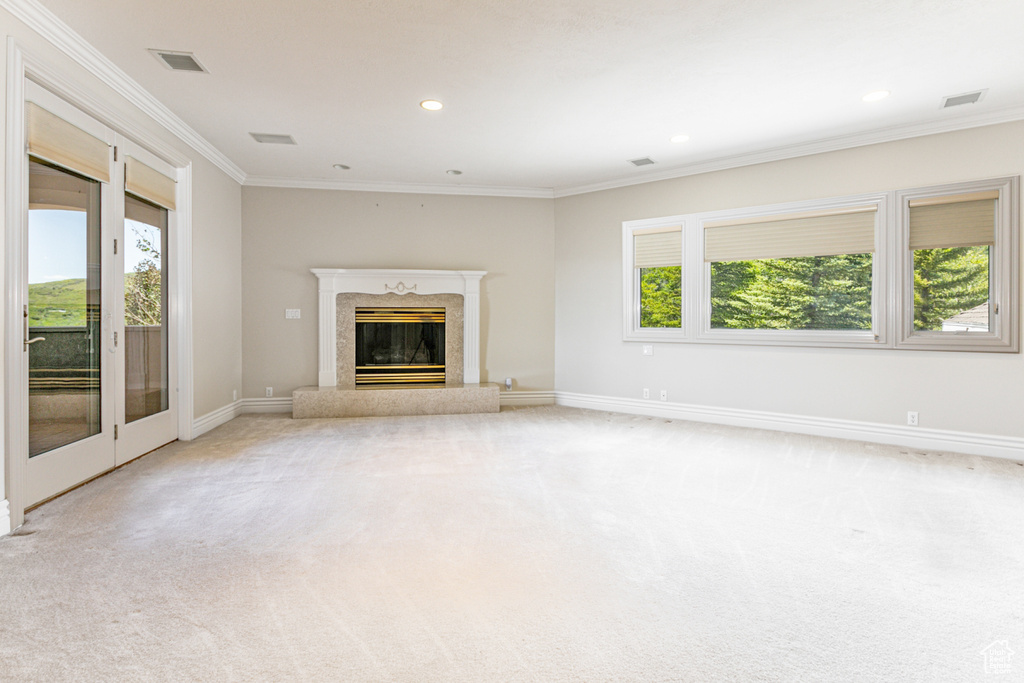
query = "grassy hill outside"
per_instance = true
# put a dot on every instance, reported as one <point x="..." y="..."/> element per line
<point x="62" y="303"/>
<point x="57" y="304"/>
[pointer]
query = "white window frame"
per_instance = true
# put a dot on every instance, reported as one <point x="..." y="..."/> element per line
<point x="1004" y="259"/>
<point x="876" y="336"/>
<point x="631" y="283"/>
<point x="892" y="277"/>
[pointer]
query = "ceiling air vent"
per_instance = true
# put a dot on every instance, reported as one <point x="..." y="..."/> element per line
<point x="646" y="161"/>
<point x="966" y="98"/>
<point x="179" y="61"/>
<point x="272" y="139"/>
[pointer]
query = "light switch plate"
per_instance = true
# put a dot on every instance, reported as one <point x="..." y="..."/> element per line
<point x="293" y="313"/>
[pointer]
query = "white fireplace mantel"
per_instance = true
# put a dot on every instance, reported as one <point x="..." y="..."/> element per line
<point x="334" y="281"/>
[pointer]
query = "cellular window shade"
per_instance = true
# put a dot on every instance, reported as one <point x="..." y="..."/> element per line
<point x="49" y="188"/>
<point x="658" y="249"/>
<point x="844" y="231"/>
<point x="53" y="139"/>
<point x="953" y="221"/>
<point x="147" y="183"/>
<point x="144" y="212"/>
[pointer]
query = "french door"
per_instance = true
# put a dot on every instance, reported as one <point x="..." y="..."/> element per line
<point x="98" y="372"/>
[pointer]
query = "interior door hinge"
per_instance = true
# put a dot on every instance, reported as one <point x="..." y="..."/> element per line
<point x="115" y="340"/>
<point x="115" y="152"/>
<point x="115" y="432"/>
<point x="115" y="247"/>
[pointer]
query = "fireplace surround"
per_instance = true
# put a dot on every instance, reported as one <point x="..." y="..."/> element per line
<point x="344" y="294"/>
<point x="346" y="326"/>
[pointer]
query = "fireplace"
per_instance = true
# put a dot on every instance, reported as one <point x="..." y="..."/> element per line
<point x="397" y="342"/>
<point x="457" y="292"/>
<point x="399" y="346"/>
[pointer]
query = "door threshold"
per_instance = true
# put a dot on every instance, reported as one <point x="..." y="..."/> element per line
<point x="79" y="485"/>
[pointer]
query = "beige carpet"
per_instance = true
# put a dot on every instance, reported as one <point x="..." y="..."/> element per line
<point x="545" y="544"/>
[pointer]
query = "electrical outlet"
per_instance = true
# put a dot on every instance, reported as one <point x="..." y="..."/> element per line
<point x="270" y="392"/>
<point x="912" y="418"/>
<point x="648" y="349"/>
<point x="664" y="394"/>
<point x="647" y="392"/>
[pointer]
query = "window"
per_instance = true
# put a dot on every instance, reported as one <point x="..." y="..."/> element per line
<point x="950" y="240"/>
<point x="149" y="197"/>
<point x="65" y="294"/>
<point x="145" y="301"/>
<point x="654" y="280"/>
<point x="807" y="271"/>
<point x="824" y="273"/>
<point x="657" y="255"/>
<point x="959" y="266"/>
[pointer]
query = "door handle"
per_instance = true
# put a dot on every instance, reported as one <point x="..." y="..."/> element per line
<point x="25" y="337"/>
<point x="108" y="323"/>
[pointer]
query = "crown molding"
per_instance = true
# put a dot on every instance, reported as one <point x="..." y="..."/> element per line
<point x="61" y="36"/>
<point x="50" y="27"/>
<point x="832" y="144"/>
<point x="408" y="188"/>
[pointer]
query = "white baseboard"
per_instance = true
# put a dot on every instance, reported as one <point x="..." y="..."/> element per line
<point x="282" y="404"/>
<point x="1010" y="448"/>
<point x="527" y="398"/>
<point x="242" y="406"/>
<point x="216" y="418"/>
<point x="5" y="518"/>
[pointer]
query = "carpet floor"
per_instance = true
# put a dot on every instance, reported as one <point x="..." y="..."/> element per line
<point x="540" y="544"/>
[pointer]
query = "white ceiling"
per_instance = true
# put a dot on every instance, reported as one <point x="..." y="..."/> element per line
<point x="555" y="94"/>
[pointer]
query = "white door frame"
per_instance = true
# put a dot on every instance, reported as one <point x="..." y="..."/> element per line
<point x="22" y="65"/>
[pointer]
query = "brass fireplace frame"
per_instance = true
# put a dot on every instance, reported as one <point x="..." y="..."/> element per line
<point x="400" y="373"/>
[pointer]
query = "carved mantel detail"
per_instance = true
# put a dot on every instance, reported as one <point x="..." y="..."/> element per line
<point x="337" y="281"/>
<point x="400" y="288"/>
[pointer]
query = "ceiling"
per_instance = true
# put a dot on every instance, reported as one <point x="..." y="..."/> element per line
<point x="556" y="94"/>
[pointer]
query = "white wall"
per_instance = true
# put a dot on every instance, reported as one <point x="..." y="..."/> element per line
<point x="969" y="392"/>
<point x="287" y="231"/>
<point x="216" y="288"/>
<point x="216" y="232"/>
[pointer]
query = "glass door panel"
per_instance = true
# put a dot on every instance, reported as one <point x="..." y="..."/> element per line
<point x="145" y="308"/>
<point x="63" y="315"/>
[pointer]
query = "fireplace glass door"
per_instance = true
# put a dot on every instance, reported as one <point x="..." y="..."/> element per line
<point x="399" y="346"/>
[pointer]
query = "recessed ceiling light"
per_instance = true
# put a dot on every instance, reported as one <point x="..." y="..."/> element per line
<point x="341" y="167"/>
<point x="679" y="138"/>
<point x="876" y="95"/>
<point x="431" y="105"/>
<point x="453" y="171"/>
